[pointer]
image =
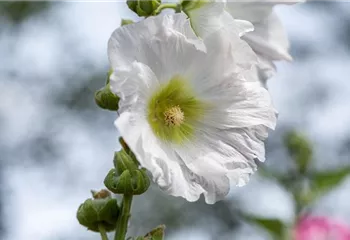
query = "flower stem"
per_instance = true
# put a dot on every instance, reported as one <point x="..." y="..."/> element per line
<point x="122" y="223"/>
<point x="102" y="231"/>
<point x="163" y="6"/>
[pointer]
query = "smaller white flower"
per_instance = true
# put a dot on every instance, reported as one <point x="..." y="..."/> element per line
<point x="187" y="109"/>
<point x="269" y="39"/>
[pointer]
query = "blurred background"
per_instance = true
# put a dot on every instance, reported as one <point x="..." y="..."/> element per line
<point x="56" y="144"/>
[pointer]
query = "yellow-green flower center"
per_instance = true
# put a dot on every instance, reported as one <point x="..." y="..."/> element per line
<point x="174" y="110"/>
<point x="174" y="116"/>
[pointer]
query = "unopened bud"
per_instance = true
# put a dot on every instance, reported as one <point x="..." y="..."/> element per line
<point x="103" y="210"/>
<point x="105" y="99"/>
<point x="143" y="8"/>
<point x="130" y="182"/>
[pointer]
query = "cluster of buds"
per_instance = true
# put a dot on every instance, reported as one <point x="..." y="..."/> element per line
<point x="125" y="178"/>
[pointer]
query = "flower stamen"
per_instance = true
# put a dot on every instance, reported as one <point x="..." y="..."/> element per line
<point x="174" y="116"/>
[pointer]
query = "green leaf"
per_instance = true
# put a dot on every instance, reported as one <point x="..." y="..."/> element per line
<point x="156" y="234"/>
<point x="273" y="226"/>
<point x="300" y="149"/>
<point x="323" y="182"/>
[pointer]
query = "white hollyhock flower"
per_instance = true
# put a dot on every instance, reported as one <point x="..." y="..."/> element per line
<point x="186" y="109"/>
<point x="269" y="39"/>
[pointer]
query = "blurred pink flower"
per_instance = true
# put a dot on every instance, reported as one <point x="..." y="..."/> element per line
<point x="321" y="228"/>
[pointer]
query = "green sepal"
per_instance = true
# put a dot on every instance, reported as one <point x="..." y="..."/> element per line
<point x="156" y="234"/>
<point x="188" y="5"/>
<point x="128" y="150"/>
<point x="134" y="182"/>
<point x="101" y="211"/>
<point x="123" y="161"/>
<point x="108" y="76"/>
<point x="143" y="8"/>
<point x="105" y="99"/>
<point x="300" y="149"/>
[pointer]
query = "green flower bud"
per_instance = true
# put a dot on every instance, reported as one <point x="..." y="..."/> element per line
<point x="143" y="8"/>
<point x="123" y="161"/>
<point x="100" y="211"/>
<point x="105" y="99"/>
<point x="130" y="182"/>
<point x="300" y="149"/>
<point x="126" y="22"/>
<point x="189" y="5"/>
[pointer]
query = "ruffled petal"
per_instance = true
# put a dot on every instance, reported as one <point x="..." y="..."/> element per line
<point x="172" y="176"/>
<point x="206" y="19"/>
<point x="144" y="42"/>
<point x="269" y="39"/>
<point x="254" y="11"/>
<point x="133" y="84"/>
<point x="250" y="105"/>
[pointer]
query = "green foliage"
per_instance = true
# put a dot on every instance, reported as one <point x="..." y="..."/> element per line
<point x="299" y="148"/>
<point x="17" y="11"/>
<point x="273" y="226"/>
<point x="323" y="182"/>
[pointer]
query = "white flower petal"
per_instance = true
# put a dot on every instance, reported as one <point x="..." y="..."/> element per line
<point x="143" y="42"/>
<point x="172" y="177"/>
<point x="265" y="69"/>
<point x="133" y="84"/>
<point x="239" y="104"/>
<point x="269" y="39"/>
<point x="207" y="19"/>
<point x="254" y="11"/>
<point x="242" y="25"/>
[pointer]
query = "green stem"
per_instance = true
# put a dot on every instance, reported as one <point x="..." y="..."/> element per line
<point x="102" y="231"/>
<point x="122" y="223"/>
<point x="163" y="6"/>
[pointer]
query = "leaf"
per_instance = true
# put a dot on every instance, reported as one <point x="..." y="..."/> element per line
<point x="156" y="234"/>
<point x="323" y="182"/>
<point x="274" y="226"/>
